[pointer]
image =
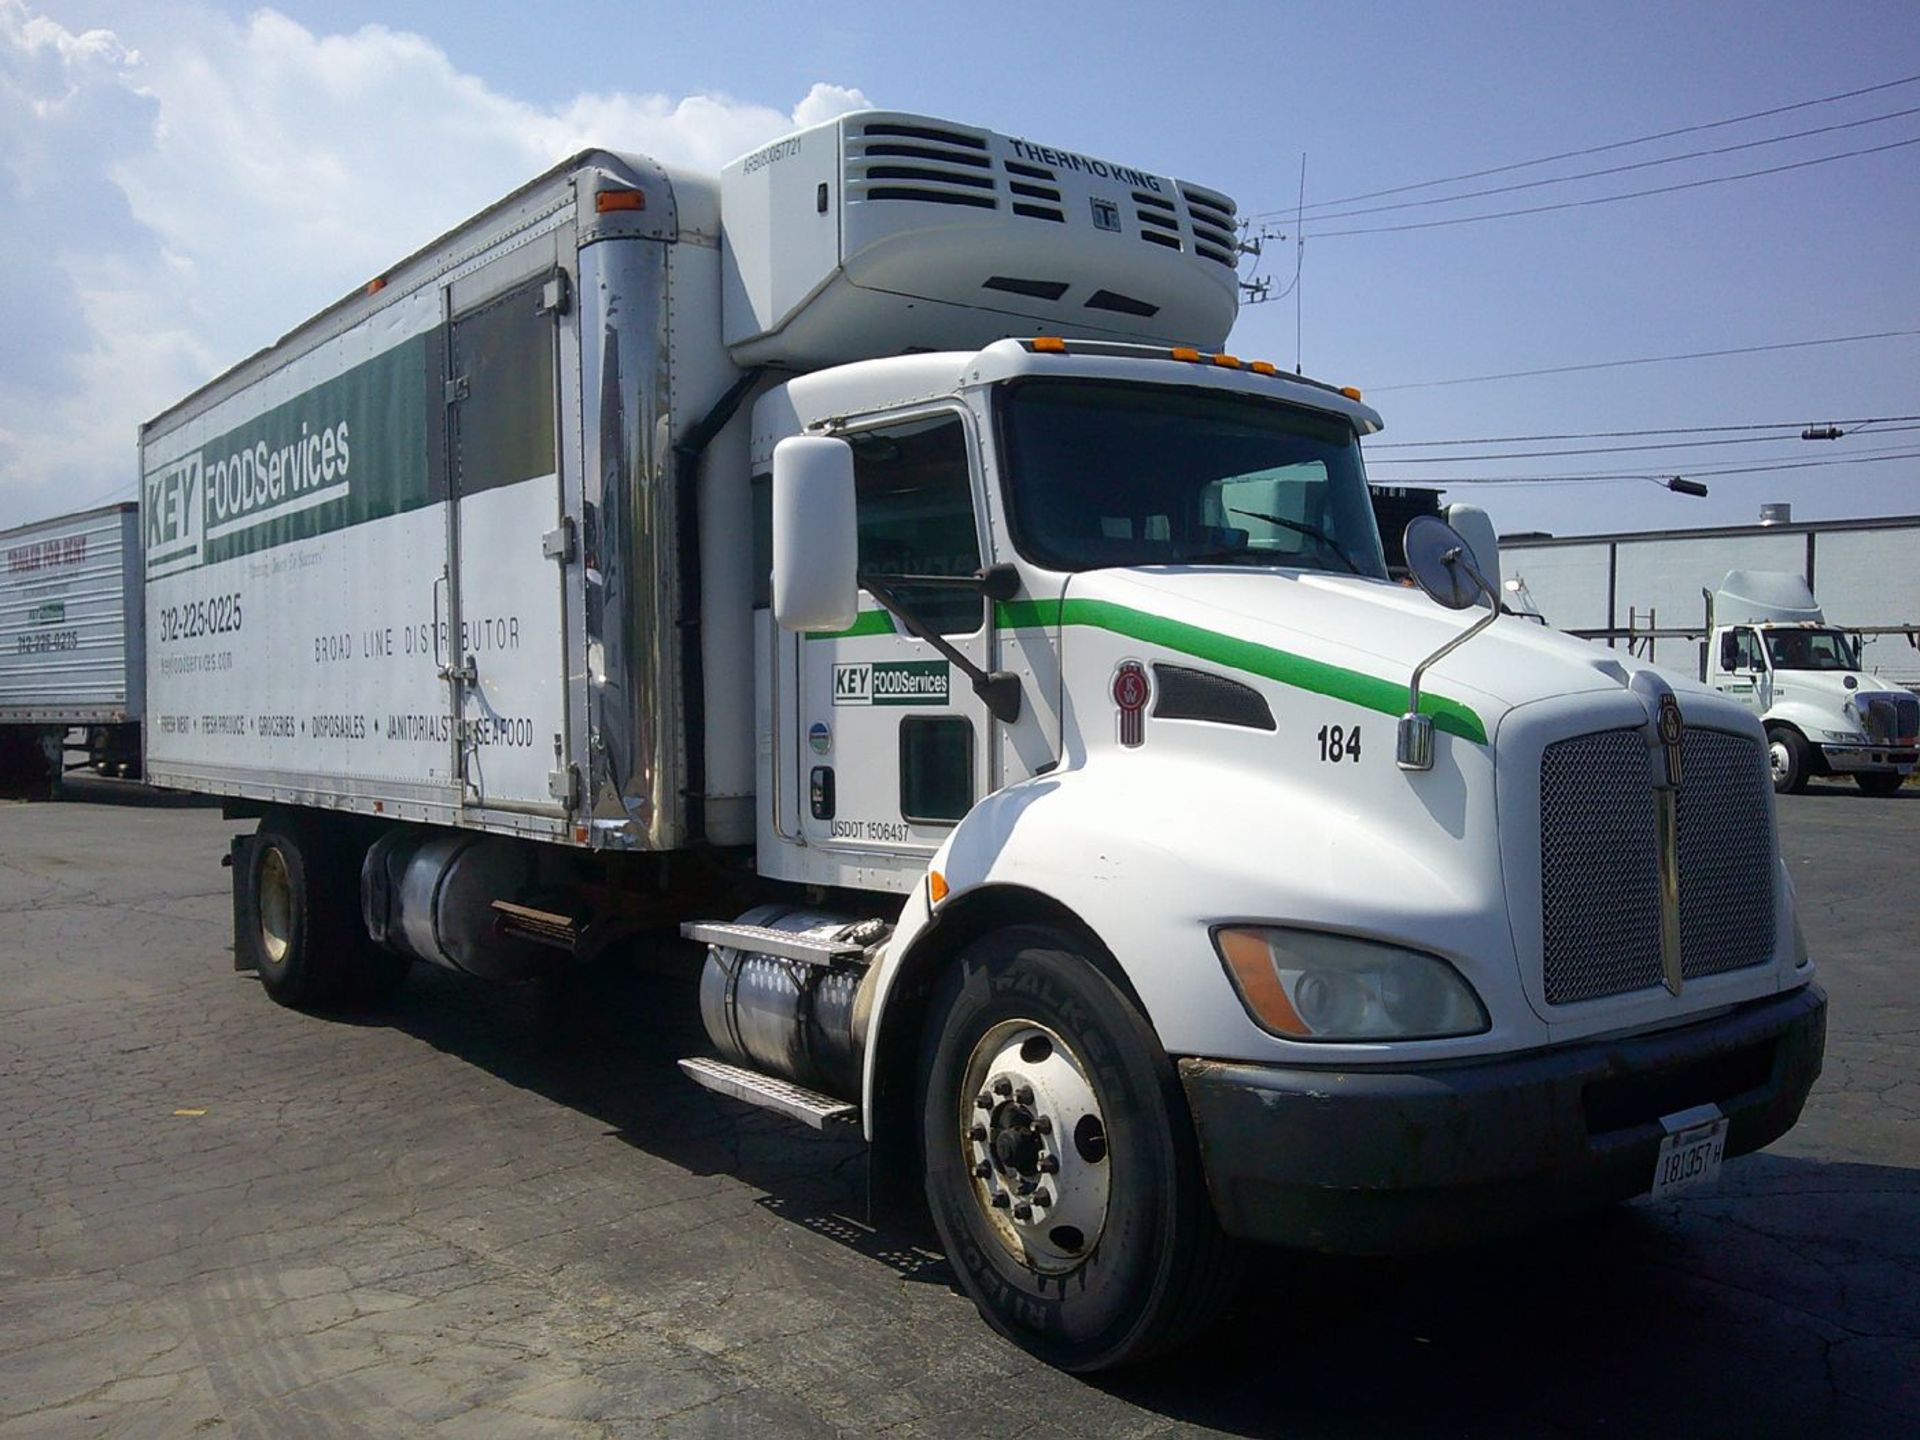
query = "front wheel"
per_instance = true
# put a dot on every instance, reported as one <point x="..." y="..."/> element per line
<point x="1788" y="758"/>
<point x="1061" y="1166"/>
<point x="1879" y="782"/>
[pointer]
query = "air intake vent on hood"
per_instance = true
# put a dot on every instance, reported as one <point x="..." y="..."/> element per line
<point x="1186" y="694"/>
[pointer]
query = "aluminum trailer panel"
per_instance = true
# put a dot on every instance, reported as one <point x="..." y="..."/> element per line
<point x="70" y="620"/>
<point x="389" y="569"/>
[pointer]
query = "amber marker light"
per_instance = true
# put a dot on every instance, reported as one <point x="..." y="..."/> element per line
<point x="1185" y="352"/>
<point x="1264" y="367"/>
<point x="1050" y="345"/>
<point x="1352" y="392"/>
<point x="936" y="887"/>
<point x="376" y="285"/>
<point x="607" y="200"/>
<point x="1250" y="964"/>
<point x="1228" y="362"/>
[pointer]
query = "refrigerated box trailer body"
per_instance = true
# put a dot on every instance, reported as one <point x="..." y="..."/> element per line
<point x="72" y="650"/>
<point x="1133" y="863"/>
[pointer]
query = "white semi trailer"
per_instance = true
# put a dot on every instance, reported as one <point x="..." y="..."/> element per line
<point x="880" y="534"/>
<point x="1771" y="648"/>
<point x="72" y="648"/>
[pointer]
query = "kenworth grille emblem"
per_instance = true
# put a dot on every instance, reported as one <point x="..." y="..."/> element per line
<point x="1130" y="693"/>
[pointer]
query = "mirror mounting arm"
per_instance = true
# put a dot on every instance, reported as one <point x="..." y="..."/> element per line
<point x="1413" y="744"/>
<point x="999" y="689"/>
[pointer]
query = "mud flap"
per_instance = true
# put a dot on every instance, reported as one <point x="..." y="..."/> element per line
<point x="246" y="908"/>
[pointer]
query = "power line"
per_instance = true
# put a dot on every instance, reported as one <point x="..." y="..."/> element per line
<point x="1612" y="199"/>
<point x="1622" y="434"/>
<point x="1614" y="169"/>
<point x="1602" y="149"/>
<point x="1646" y="360"/>
<point x="1619" y="449"/>
<point x="1600" y="477"/>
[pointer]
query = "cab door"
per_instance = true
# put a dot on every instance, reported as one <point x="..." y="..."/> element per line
<point x="893" y="743"/>
<point x="1741" y="670"/>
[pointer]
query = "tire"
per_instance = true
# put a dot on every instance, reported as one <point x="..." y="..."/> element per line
<point x="1879" y="782"/>
<point x="304" y="937"/>
<point x="1117" y="1255"/>
<point x="1790" y="760"/>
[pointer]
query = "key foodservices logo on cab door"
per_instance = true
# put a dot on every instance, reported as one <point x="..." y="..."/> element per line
<point x="891" y="682"/>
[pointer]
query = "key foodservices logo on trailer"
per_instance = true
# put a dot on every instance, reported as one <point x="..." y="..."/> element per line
<point x="196" y="498"/>
<point x="171" y="515"/>
<point x="891" y="682"/>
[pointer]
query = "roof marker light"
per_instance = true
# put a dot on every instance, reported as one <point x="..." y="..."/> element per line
<point x="1264" y="367"/>
<point x="1185" y="352"/>
<point x="1228" y="362"/>
<point x="1352" y="392"/>
<point x="1050" y="345"/>
<point x="376" y="285"/>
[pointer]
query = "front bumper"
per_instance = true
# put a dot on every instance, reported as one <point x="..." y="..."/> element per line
<point x="1391" y="1161"/>
<point x="1845" y="758"/>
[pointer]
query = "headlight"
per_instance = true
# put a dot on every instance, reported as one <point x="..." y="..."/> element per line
<point x="1845" y="735"/>
<point x="1307" y="985"/>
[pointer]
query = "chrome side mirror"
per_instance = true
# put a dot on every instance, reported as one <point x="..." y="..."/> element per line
<point x="1442" y="564"/>
<point x="815" y="543"/>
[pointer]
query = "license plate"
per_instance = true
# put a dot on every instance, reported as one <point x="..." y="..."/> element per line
<point x="1690" y="1156"/>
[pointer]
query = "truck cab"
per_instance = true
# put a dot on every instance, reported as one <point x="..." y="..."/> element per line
<point x="1771" y="648"/>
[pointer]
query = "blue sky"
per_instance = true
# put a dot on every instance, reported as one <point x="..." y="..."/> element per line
<point x="187" y="180"/>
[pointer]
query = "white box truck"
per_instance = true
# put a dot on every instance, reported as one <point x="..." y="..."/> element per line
<point x="72" y="652"/>
<point x="1771" y="648"/>
<point x="880" y="532"/>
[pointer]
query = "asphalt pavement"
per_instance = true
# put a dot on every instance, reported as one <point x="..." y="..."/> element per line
<point x="491" y="1212"/>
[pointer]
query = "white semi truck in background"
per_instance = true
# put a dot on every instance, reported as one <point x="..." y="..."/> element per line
<point x="72" y="646"/>
<point x="1771" y="648"/>
<point x="880" y="535"/>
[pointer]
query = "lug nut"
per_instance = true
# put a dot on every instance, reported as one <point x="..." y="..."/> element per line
<point x="1024" y="1094"/>
<point x="999" y="1200"/>
<point x="1023" y="1211"/>
<point x="978" y="1132"/>
<point x="1043" y="1198"/>
<point x="983" y="1170"/>
<point x="1044" y="1124"/>
<point x="1049" y="1165"/>
<point x="1003" y="1087"/>
<point x="983" y="1101"/>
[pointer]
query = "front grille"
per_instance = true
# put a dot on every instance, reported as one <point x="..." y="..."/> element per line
<point x="1893" y="719"/>
<point x="1599" y="863"/>
<point x="1596" y="819"/>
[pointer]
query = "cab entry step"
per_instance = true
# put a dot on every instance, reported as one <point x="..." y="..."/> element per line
<point x="781" y="1096"/>
<point x="764" y="940"/>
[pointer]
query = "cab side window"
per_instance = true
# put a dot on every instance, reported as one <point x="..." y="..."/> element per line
<point x="1740" y="651"/>
<point x="914" y="497"/>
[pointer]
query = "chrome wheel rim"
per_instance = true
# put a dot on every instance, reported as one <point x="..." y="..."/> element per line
<point x="1034" y="1141"/>
<point x="1779" y="760"/>
<point x="276" y="905"/>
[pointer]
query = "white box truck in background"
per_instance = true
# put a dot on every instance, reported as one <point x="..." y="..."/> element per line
<point x="72" y="652"/>
<point x="1138" y="868"/>
<point x="1770" y="647"/>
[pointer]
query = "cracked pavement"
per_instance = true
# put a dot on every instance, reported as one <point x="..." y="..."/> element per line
<point x="504" y="1213"/>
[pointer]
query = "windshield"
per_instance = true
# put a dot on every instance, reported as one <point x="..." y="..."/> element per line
<point x="1103" y="473"/>
<point x="1812" y="650"/>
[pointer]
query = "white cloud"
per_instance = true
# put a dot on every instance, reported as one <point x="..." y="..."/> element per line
<point x="177" y="197"/>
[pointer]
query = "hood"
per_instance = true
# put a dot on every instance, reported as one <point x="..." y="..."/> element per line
<point x="1347" y="636"/>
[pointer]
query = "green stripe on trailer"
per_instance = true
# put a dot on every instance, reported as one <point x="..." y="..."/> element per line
<point x="1369" y="691"/>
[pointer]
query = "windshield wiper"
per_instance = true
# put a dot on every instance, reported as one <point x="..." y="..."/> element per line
<point x="1312" y="532"/>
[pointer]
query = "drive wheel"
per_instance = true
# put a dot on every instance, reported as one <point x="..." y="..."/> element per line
<point x="1788" y="759"/>
<point x="304" y="938"/>
<point x="1879" y="782"/>
<point x="1061" y="1167"/>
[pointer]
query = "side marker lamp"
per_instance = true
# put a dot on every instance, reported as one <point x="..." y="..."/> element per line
<point x="1308" y="985"/>
<point x="609" y="200"/>
<point x="1050" y="345"/>
<point x="936" y="888"/>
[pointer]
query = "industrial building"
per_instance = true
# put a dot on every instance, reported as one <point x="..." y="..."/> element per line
<point x="1644" y="589"/>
